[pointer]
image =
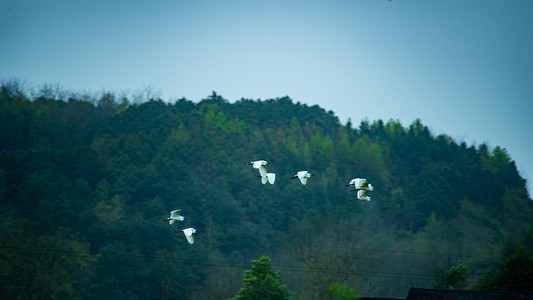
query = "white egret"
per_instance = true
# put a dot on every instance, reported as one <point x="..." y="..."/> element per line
<point x="174" y="216"/>
<point x="360" y="184"/>
<point x="189" y="234"/>
<point x="260" y="165"/>
<point x="303" y="176"/>
<point x="361" y="187"/>
<point x="361" y="195"/>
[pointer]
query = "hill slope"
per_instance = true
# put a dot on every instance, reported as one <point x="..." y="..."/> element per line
<point x="84" y="184"/>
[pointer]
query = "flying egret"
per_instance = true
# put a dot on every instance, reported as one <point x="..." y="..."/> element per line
<point x="174" y="216"/>
<point x="189" y="234"/>
<point x="259" y="164"/>
<point x="303" y="176"/>
<point x="360" y="184"/>
<point x="361" y="195"/>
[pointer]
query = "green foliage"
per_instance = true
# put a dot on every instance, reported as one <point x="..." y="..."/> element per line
<point x="515" y="273"/>
<point x="216" y="118"/>
<point x="108" y="213"/>
<point x="455" y="277"/>
<point x="342" y="292"/>
<point x="262" y="282"/>
<point x="108" y="172"/>
<point x="43" y="266"/>
<point x="323" y="145"/>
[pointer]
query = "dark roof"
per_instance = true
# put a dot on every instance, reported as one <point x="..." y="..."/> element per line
<point x="419" y="294"/>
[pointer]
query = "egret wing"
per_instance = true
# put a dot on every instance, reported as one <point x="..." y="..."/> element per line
<point x="262" y="170"/>
<point x="175" y="215"/>
<point x="189" y="234"/>
<point x="271" y="177"/>
<point x="363" y="183"/>
<point x="358" y="183"/>
<point x="362" y="195"/>
<point x="190" y="238"/>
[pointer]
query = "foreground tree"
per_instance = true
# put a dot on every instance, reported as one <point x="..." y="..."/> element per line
<point x="262" y="282"/>
<point x="514" y="274"/>
<point x="342" y="292"/>
<point x="455" y="277"/>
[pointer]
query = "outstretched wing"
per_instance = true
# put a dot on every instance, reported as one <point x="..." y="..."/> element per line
<point x="189" y="234"/>
<point x="271" y="177"/>
<point x="175" y="215"/>
<point x="190" y="238"/>
<point x="358" y="183"/>
<point x="361" y="195"/>
<point x="262" y="170"/>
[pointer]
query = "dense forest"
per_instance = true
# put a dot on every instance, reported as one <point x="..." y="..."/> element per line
<point x="85" y="182"/>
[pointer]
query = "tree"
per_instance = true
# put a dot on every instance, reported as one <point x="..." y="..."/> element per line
<point x="108" y="168"/>
<point x="342" y="292"/>
<point x="514" y="274"/>
<point x="262" y="282"/>
<point x="328" y="250"/>
<point x="38" y="266"/>
<point x="455" y="277"/>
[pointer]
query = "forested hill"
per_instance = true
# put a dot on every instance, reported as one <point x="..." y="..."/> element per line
<point x="84" y="184"/>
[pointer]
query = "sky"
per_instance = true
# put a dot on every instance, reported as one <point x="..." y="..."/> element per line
<point x="464" y="68"/>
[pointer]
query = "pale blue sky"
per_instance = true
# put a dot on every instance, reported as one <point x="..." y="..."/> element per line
<point x="465" y="68"/>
